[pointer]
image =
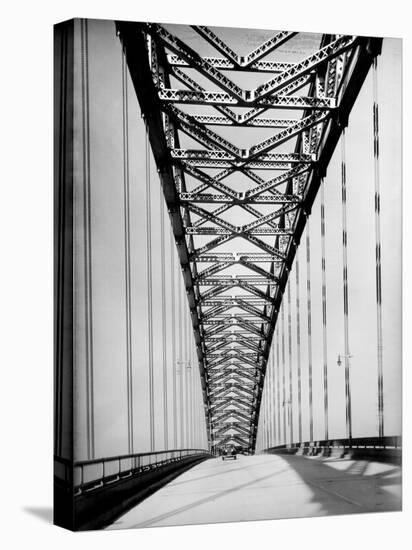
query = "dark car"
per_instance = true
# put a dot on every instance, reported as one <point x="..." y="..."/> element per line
<point x="229" y="453"/>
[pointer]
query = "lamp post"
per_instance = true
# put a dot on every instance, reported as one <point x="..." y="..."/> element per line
<point x="340" y="356"/>
<point x="187" y="363"/>
<point x="346" y="357"/>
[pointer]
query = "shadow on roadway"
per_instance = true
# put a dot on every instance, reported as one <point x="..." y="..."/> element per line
<point x="210" y="498"/>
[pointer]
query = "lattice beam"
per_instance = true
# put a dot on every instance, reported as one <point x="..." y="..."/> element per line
<point x="234" y="313"/>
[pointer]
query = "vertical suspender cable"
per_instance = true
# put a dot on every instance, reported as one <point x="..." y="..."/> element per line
<point x="278" y="382"/>
<point x="345" y="292"/>
<point x="149" y="293"/>
<point x="283" y="370"/>
<point x="378" y="248"/>
<point x="198" y="428"/>
<point x="197" y="401"/>
<point x="126" y="192"/>
<point x="186" y="379"/>
<point x="273" y="398"/>
<point x="186" y="367"/>
<point x="164" y="339"/>
<point x="191" y="391"/>
<point x="270" y="389"/>
<point x="197" y="405"/>
<point x="273" y="395"/>
<point x="190" y="385"/>
<point x="87" y="241"/>
<point x="194" y="386"/>
<point x="173" y="299"/>
<point x="309" y="303"/>
<point x="299" y="365"/>
<point x="265" y="423"/>
<point x="261" y="430"/>
<point x="324" y="329"/>
<point x="180" y="313"/>
<point x="268" y="420"/>
<point x="269" y="393"/>
<point x="290" y="404"/>
<point x="200" y="411"/>
<point x="265" y="435"/>
<point x="261" y="423"/>
<point x="267" y="390"/>
<point x="195" y="408"/>
<point x="265" y="408"/>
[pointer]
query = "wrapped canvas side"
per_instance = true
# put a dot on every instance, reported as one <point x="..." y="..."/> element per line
<point x="63" y="273"/>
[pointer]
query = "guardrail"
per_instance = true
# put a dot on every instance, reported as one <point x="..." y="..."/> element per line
<point x="88" y="475"/>
<point x="390" y="446"/>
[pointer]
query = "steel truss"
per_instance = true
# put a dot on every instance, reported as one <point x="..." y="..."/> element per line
<point x="234" y="313"/>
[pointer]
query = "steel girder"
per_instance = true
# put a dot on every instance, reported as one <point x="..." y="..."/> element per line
<point x="234" y="299"/>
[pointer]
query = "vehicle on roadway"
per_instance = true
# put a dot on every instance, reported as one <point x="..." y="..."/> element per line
<point x="229" y="453"/>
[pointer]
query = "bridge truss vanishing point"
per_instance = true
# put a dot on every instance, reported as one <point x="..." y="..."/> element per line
<point x="235" y="274"/>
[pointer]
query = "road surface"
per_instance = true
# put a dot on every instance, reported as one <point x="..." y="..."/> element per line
<point x="269" y="487"/>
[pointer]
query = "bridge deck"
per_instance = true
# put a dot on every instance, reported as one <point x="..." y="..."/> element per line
<point x="268" y="487"/>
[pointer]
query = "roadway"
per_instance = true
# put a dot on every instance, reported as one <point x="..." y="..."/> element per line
<point x="269" y="487"/>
